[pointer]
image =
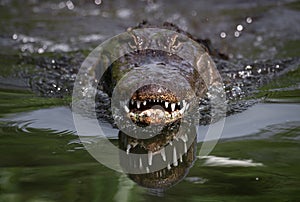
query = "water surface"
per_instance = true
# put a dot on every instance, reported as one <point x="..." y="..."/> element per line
<point x="43" y="42"/>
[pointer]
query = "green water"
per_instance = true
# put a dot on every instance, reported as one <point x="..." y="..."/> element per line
<point x="41" y="164"/>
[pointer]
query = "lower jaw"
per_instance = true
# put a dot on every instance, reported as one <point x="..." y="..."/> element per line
<point x="175" y="155"/>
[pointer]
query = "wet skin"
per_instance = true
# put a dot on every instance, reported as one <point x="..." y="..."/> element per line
<point x="154" y="104"/>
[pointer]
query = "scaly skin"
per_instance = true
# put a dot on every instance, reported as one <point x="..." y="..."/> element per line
<point x="155" y="104"/>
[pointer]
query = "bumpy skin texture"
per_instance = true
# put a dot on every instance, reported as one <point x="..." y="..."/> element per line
<point x="155" y="95"/>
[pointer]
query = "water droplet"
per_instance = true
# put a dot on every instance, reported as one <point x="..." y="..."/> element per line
<point x="239" y="28"/>
<point x="248" y="67"/>
<point x="236" y="33"/>
<point x="257" y="179"/>
<point x="70" y="5"/>
<point x="124" y="13"/>
<point x="41" y="50"/>
<point x="14" y="36"/>
<point x="223" y="35"/>
<point x="259" y="38"/>
<point x="98" y="2"/>
<point x="249" y="20"/>
<point x="61" y="5"/>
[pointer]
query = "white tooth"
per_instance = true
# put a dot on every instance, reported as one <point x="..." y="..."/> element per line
<point x="138" y="104"/>
<point x="180" y="158"/>
<point x="163" y="154"/>
<point x="157" y="100"/>
<point x="178" y="104"/>
<point x="126" y="109"/>
<point x="187" y="106"/>
<point x="169" y="167"/>
<point x="184" y="138"/>
<point x="134" y="144"/>
<point x="171" y="143"/>
<point x="166" y="104"/>
<point x="145" y="102"/>
<point x="132" y="102"/>
<point x="175" y="163"/>
<point x="173" y="106"/>
<point x="182" y="110"/>
<point x="183" y="103"/>
<point x="150" y="155"/>
<point x="147" y="169"/>
<point x="185" y="148"/>
<point x="141" y="163"/>
<point x="128" y="148"/>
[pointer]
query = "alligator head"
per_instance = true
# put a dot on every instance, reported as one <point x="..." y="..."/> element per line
<point x="156" y="105"/>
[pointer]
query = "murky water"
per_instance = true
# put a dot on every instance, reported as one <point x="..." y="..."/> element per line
<point x="43" y="43"/>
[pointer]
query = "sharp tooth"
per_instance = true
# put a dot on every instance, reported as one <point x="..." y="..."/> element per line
<point x="173" y="106"/>
<point x="187" y="106"/>
<point x="132" y="102"/>
<point x="147" y="169"/>
<point x="184" y="138"/>
<point x="141" y="163"/>
<point x="150" y="155"/>
<point x="126" y="109"/>
<point x="178" y="104"/>
<point x="182" y="110"/>
<point x="157" y="100"/>
<point x="175" y="163"/>
<point x="180" y="158"/>
<point x="128" y="148"/>
<point x="185" y="148"/>
<point x="171" y="143"/>
<point x="166" y="104"/>
<point x="183" y="103"/>
<point x="169" y="167"/>
<point x="138" y="104"/>
<point x="145" y="102"/>
<point x="163" y="154"/>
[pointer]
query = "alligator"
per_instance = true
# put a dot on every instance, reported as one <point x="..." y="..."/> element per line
<point x="154" y="104"/>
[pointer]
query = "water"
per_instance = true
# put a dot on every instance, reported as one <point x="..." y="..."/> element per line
<point x="42" y="44"/>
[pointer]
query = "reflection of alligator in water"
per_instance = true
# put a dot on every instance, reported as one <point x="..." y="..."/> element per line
<point x="148" y="102"/>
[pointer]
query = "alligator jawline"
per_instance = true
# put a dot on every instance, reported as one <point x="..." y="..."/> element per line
<point x="155" y="111"/>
